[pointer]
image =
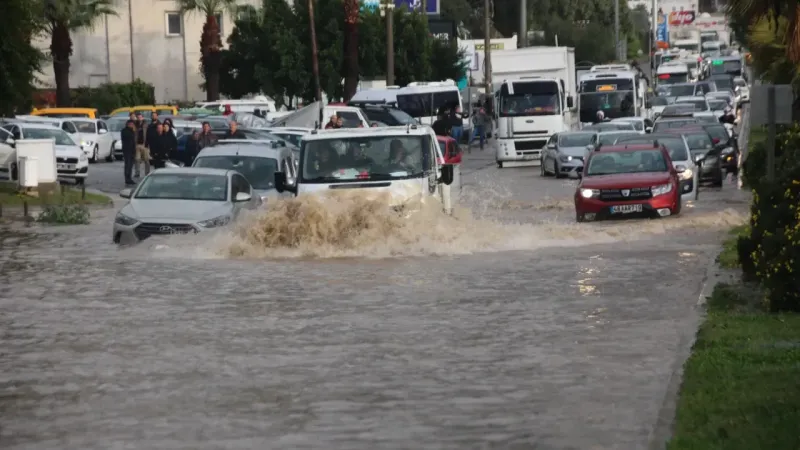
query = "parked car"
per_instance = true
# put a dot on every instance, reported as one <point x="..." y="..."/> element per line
<point x="71" y="162"/>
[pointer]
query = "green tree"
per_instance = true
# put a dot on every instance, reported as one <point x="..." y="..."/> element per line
<point x="745" y="13"/>
<point x="329" y="24"/>
<point x="351" y="72"/>
<point x="61" y="18"/>
<point x="19" y="60"/>
<point x="210" y="39"/>
<point x="413" y="47"/>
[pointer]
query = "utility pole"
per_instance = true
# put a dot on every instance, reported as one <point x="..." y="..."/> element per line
<point x="616" y="29"/>
<point x="315" y="58"/>
<point x="423" y="9"/>
<point x="389" y="9"/>
<point x="523" y="24"/>
<point x="487" y="49"/>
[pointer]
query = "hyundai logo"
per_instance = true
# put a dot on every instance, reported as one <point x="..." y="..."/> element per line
<point x="625" y="193"/>
<point x="165" y="229"/>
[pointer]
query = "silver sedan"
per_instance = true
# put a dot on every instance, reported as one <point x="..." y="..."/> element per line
<point x="564" y="152"/>
<point x="182" y="201"/>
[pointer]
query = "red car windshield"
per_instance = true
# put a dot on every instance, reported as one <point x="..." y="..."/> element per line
<point x="636" y="161"/>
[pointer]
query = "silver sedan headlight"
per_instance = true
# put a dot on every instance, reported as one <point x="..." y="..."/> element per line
<point x="218" y="221"/>
<point x="122" y="219"/>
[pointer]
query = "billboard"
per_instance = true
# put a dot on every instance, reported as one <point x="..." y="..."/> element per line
<point x="432" y="6"/>
<point x="681" y="17"/>
<point x="662" y="32"/>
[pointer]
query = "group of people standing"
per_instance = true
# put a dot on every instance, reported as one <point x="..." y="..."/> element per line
<point x="449" y="123"/>
<point x="153" y="144"/>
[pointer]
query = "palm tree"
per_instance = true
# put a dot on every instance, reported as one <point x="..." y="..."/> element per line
<point x="351" y="16"/>
<point x="61" y="18"/>
<point x="751" y="11"/>
<point x="210" y="40"/>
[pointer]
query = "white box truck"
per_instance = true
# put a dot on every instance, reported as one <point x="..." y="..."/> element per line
<point x="534" y="97"/>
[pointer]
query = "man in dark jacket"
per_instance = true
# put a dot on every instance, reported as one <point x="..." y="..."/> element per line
<point x="234" y="132"/>
<point x="142" y="154"/>
<point x="207" y="138"/>
<point x="151" y="135"/>
<point x="128" y="138"/>
<point x="158" y="147"/>
<point x="442" y="125"/>
<point x="170" y="143"/>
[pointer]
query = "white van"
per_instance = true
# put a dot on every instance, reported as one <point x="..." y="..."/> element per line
<point x="248" y="106"/>
<point x="401" y="161"/>
<point x="387" y="95"/>
<point x="672" y="73"/>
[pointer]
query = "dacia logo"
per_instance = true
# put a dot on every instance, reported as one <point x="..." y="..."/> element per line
<point x="626" y="192"/>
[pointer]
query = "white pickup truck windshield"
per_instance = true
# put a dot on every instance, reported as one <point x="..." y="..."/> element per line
<point x="365" y="158"/>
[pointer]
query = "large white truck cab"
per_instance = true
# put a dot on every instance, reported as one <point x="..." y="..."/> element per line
<point x="404" y="162"/>
<point x="528" y="111"/>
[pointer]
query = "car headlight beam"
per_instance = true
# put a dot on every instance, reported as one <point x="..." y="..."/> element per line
<point x="589" y="193"/>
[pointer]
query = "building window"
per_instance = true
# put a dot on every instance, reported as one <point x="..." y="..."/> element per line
<point x="219" y="22"/>
<point x="173" y="25"/>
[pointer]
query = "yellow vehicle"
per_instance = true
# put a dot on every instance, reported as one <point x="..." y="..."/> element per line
<point x="89" y="113"/>
<point x="146" y="110"/>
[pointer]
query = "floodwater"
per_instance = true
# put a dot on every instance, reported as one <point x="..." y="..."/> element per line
<point x="339" y="325"/>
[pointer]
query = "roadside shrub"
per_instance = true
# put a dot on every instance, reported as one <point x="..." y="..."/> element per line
<point x="787" y="155"/>
<point x="776" y="240"/>
<point x="745" y="247"/>
<point x="110" y="96"/>
<point x="64" y="214"/>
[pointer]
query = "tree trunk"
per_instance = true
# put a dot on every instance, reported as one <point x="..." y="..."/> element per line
<point x="351" y="11"/>
<point x="61" y="51"/>
<point x="211" y="56"/>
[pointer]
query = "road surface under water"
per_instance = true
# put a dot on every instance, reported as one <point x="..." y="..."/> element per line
<point x="508" y="327"/>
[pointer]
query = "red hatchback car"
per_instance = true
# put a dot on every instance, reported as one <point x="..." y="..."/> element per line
<point x="628" y="179"/>
<point x="450" y="150"/>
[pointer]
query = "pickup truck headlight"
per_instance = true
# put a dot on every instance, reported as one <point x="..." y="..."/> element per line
<point x="589" y="193"/>
<point x="215" y="222"/>
<point x="122" y="219"/>
<point x="661" y="189"/>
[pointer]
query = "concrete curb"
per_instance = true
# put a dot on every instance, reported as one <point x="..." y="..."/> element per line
<point x="663" y="429"/>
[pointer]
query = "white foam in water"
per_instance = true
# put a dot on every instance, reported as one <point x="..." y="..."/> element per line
<point x="349" y="224"/>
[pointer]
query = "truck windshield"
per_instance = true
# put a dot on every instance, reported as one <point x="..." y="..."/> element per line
<point x="530" y="99"/>
<point x="364" y="158"/>
<point x="673" y="78"/>
<point x="613" y="105"/>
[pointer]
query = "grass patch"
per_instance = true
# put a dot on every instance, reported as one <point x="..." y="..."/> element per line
<point x="740" y="387"/>
<point x="10" y="197"/>
<point x="729" y="256"/>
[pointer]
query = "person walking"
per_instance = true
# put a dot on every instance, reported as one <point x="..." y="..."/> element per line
<point x="158" y="147"/>
<point x="456" y="125"/>
<point x="128" y="138"/>
<point x="479" y="121"/>
<point x="142" y="152"/>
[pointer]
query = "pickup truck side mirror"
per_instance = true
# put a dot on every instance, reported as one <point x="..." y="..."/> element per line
<point x="281" y="185"/>
<point x="10" y="141"/>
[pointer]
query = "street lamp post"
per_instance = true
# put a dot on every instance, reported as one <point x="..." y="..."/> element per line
<point x="387" y="9"/>
<point x="315" y="58"/>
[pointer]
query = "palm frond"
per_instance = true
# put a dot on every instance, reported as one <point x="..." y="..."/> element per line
<point x="78" y="14"/>
<point x="208" y="7"/>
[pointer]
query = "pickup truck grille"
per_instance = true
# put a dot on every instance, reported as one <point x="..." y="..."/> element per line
<point x="614" y="195"/>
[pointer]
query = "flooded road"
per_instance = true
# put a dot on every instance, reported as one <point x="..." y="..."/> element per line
<point x="515" y="328"/>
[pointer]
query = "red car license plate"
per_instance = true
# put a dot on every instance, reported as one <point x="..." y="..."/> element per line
<point x="626" y="209"/>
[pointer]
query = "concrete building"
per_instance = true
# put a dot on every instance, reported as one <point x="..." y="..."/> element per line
<point x="147" y="39"/>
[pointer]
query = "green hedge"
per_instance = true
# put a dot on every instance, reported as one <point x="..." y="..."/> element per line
<point x="108" y="97"/>
<point x="771" y="253"/>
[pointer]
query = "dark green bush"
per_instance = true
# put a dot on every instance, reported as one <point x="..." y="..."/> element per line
<point x="744" y="249"/>
<point x="108" y="97"/>
<point x="64" y="214"/>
